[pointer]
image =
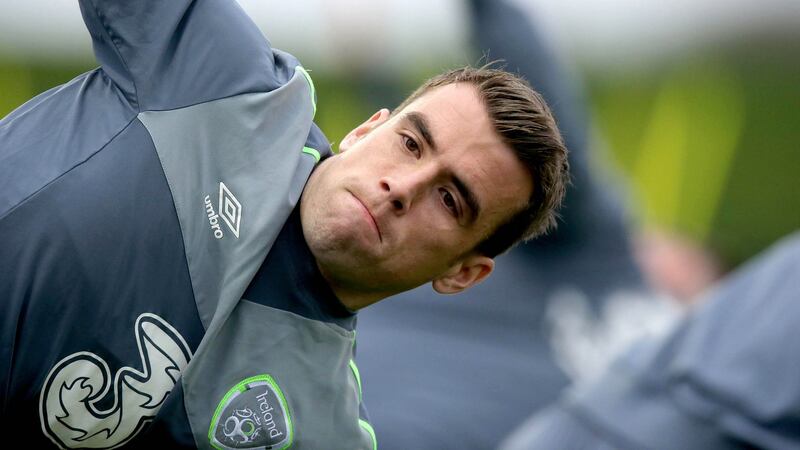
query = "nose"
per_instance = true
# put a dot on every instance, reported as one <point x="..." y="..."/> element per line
<point x="398" y="197"/>
<point x="403" y="190"/>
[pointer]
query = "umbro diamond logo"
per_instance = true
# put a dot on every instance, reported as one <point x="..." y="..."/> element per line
<point x="230" y="210"/>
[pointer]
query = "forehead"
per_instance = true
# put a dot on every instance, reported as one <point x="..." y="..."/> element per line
<point x="456" y="110"/>
<point x="468" y="146"/>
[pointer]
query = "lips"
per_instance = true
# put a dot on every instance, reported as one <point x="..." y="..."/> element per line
<point x="369" y="216"/>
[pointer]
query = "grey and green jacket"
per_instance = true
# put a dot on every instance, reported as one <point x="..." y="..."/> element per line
<point x="138" y="202"/>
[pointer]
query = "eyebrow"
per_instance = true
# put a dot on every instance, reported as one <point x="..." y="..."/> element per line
<point x="420" y="122"/>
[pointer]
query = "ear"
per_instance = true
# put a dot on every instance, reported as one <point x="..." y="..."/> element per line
<point x="464" y="274"/>
<point x="362" y="130"/>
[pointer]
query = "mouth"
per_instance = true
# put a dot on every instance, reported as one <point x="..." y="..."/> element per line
<point x="369" y="216"/>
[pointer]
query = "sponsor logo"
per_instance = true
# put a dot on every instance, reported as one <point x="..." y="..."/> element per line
<point x="230" y="210"/>
<point x="253" y="415"/>
<point x="70" y="408"/>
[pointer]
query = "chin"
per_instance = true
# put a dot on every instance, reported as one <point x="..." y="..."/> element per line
<point x="327" y="235"/>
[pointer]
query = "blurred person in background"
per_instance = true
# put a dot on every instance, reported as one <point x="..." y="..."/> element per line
<point x="727" y="377"/>
<point x="676" y="264"/>
<point x="460" y="373"/>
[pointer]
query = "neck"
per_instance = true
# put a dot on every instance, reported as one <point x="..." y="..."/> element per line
<point x="352" y="299"/>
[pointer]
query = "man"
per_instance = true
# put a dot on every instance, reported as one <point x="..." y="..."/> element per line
<point x="160" y="281"/>
<point x="430" y="362"/>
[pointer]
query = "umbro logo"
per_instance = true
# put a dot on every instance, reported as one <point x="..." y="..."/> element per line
<point x="230" y="210"/>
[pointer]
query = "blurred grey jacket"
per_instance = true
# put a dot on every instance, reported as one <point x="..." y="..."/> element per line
<point x="728" y="377"/>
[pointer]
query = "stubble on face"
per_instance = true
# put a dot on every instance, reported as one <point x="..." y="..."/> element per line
<point x="340" y="246"/>
<point x="421" y="244"/>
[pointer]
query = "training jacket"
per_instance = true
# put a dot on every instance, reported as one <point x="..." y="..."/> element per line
<point x="137" y="203"/>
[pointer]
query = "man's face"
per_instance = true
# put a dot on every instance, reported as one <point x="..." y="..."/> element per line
<point x="409" y="196"/>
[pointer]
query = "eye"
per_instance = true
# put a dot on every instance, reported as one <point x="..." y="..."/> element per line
<point x="411" y="145"/>
<point x="449" y="202"/>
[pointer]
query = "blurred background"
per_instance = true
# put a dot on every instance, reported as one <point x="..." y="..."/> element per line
<point x="697" y="103"/>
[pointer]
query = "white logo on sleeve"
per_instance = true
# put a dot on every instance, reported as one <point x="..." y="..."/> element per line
<point x="229" y="209"/>
<point x="68" y="406"/>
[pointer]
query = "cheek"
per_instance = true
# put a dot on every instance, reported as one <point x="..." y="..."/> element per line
<point x="357" y="163"/>
<point x="375" y="149"/>
<point x="433" y="240"/>
<point x="434" y="219"/>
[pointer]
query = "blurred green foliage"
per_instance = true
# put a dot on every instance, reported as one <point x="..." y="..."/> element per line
<point x="710" y="143"/>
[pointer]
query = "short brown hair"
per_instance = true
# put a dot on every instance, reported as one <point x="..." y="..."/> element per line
<point x="524" y="122"/>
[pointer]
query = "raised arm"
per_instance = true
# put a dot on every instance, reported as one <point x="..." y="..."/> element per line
<point x="167" y="54"/>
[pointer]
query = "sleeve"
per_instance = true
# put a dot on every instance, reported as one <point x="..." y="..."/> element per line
<point x="724" y="379"/>
<point x="169" y="54"/>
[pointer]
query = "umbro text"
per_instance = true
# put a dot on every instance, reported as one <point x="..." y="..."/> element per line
<point x="213" y="218"/>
